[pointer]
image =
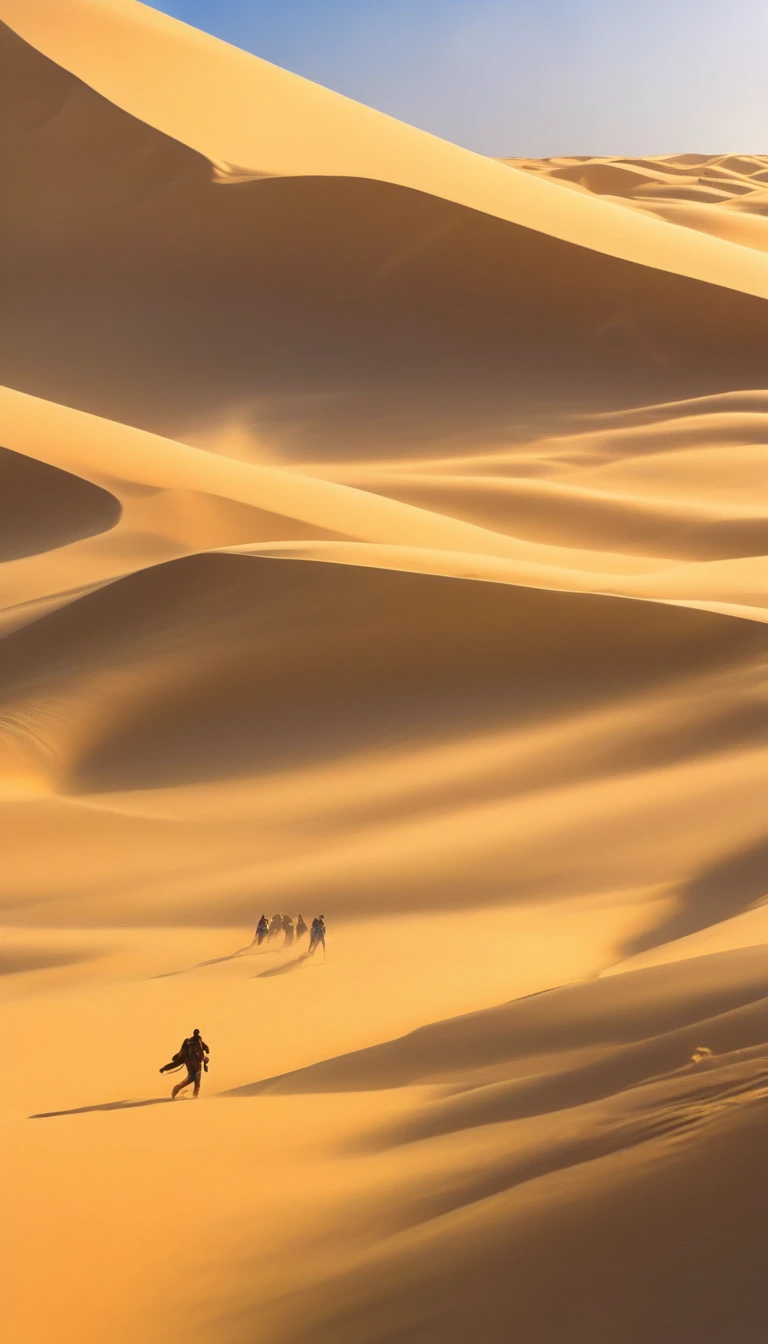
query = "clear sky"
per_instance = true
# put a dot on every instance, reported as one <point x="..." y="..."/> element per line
<point x="527" y="77"/>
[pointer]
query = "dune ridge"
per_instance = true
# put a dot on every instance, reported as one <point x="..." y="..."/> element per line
<point x="725" y="196"/>
<point x="476" y="296"/>
<point x="223" y="93"/>
<point x="382" y="532"/>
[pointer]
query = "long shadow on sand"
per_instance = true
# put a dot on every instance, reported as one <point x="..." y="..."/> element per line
<point x="216" y="961"/>
<point x="103" y="1106"/>
<point x="294" y="965"/>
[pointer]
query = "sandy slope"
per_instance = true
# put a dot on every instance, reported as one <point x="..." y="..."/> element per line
<point x="382" y="531"/>
<point x="143" y="289"/>
<point x="577" y="1189"/>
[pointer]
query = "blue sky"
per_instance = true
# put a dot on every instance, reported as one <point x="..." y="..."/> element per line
<point x="526" y="77"/>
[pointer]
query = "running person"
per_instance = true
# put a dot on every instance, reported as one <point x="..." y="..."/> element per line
<point x="193" y="1055"/>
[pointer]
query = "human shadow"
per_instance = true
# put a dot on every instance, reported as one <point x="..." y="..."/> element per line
<point x="293" y="965"/>
<point x="216" y="961"/>
<point x="102" y="1106"/>
<point x="720" y="892"/>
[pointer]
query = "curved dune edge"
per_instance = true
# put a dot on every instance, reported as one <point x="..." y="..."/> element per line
<point x="99" y="449"/>
<point x="383" y="532"/>
<point x="747" y="401"/>
<point x="203" y="614"/>
<point x="43" y="507"/>
<point x="237" y="109"/>
<point x="423" y="560"/>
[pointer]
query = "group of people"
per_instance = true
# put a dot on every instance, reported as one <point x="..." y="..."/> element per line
<point x="193" y="1055"/>
<point x="269" y="929"/>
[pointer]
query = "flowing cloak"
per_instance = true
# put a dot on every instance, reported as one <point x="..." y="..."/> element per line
<point x="191" y="1056"/>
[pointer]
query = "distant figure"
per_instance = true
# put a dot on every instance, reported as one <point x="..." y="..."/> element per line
<point x="317" y="936"/>
<point x="193" y="1056"/>
<point x="288" y="931"/>
<point x="301" y="928"/>
<point x="262" y="929"/>
<point x="275" y="926"/>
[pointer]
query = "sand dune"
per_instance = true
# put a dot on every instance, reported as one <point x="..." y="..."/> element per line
<point x="502" y="1244"/>
<point x="590" y="1111"/>
<point x="641" y="1023"/>
<point x="725" y="196"/>
<point x="480" y="282"/>
<point x="44" y="508"/>
<point x="382" y="531"/>
<point x="248" y="627"/>
<point x="251" y="118"/>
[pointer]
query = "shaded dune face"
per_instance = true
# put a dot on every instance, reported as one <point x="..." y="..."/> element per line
<point x="141" y="272"/>
<point x="34" y="89"/>
<point x="214" y="666"/>
<point x="524" y="1039"/>
<point x="42" y="507"/>
<point x="573" y="1175"/>
<point x="612" y="1238"/>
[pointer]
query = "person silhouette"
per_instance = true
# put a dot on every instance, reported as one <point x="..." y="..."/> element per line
<point x="193" y="1054"/>
<point x="317" y="935"/>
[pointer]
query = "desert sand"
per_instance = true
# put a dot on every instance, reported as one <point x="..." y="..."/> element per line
<point x="383" y="532"/>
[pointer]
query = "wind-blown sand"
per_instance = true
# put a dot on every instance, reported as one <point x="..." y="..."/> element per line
<point x="383" y="531"/>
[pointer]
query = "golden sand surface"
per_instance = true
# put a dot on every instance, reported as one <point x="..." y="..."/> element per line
<point x="383" y="532"/>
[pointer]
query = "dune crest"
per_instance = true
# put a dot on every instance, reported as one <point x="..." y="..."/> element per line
<point x="221" y="95"/>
